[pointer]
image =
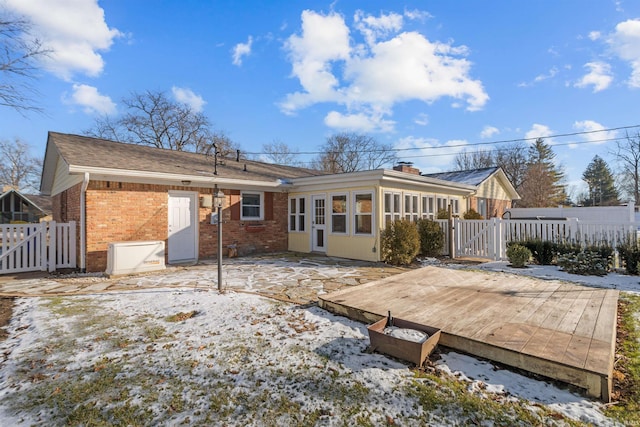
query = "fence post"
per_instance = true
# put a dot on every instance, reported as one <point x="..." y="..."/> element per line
<point x="52" y="256"/>
<point x="452" y="235"/>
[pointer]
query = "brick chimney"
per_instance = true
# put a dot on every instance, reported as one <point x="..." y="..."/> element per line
<point x="406" y="167"/>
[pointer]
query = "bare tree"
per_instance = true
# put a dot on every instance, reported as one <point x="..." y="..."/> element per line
<point x="478" y="159"/>
<point x="512" y="159"/>
<point x="19" y="54"/>
<point x="350" y="152"/>
<point x="18" y="168"/>
<point x="155" y="120"/>
<point x="627" y="155"/>
<point x="280" y="153"/>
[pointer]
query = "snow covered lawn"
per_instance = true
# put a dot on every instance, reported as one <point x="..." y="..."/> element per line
<point x="192" y="357"/>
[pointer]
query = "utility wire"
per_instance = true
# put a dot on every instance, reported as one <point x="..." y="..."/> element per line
<point x="505" y="141"/>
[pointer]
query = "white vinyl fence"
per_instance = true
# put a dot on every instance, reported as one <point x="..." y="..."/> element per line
<point x="489" y="238"/>
<point x="37" y="247"/>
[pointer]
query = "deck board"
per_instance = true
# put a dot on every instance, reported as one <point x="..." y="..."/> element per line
<point x="553" y="328"/>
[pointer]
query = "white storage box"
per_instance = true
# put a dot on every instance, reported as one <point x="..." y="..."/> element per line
<point x="135" y="257"/>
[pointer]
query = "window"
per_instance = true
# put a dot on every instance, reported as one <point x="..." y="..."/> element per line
<point x="482" y="207"/>
<point x="297" y="213"/>
<point x="411" y="207"/>
<point x="391" y="207"/>
<point x="252" y="206"/>
<point x="363" y="216"/>
<point x="301" y="213"/>
<point x="455" y="206"/>
<point x="293" y="205"/>
<point x="442" y="203"/>
<point x="339" y="213"/>
<point x="428" y="204"/>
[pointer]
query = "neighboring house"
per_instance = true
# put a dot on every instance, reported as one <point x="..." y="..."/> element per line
<point x="126" y="192"/>
<point x="493" y="193"/>
<point x="16" y="207"/>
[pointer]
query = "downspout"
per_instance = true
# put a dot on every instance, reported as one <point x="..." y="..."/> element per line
<point x="83" y="223"/>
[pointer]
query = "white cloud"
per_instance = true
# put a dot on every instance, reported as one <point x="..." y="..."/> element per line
<point x="359" y="122"/>
<point x="539" y="131"/>
<point x="241" y="50"/>
<point x="489" y="131"/>
<point x="373" y="78"/>
<point x="541" y="77"/>
<point x="625" y="42"/>
<point x="597" y="133"/>
<point x="91" y="100"/>
<point x="373" y="28"/>
<point x="429" y="154"/>
<point x="415" y="14"/>
<point x="599" y="76"/>
<point x="422" y="119"/>
<point x="74" y="30"/>
<point x="186" y="96"/>
<point x="594" y="35"/>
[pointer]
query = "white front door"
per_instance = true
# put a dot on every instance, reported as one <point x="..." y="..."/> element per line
<point x="318" y="224"/>
<point x="183" y="223"/>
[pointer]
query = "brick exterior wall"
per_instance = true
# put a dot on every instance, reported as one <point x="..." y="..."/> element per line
<point x="495" y="207"/>
<point x="117" y="212"/>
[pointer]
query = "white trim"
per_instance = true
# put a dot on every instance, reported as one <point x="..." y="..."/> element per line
<point x="346" y="213"/>
<point x="261" y="207"/>
<point x="297" y="214"/>
<point x="354" y="194"/>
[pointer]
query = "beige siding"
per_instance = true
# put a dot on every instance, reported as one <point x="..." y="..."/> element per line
<point x="353" y="247"/>
<point x="63" y="180"/>
<point x="492" y="189"/>
<point x="299" y="242"/>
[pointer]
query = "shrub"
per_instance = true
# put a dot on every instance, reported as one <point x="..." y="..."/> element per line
<point x="586" y="263"/>
<point x="518" y="255"/>
<point x="400" y="242"/>
<point x="543" y="252"/>
<point x="630" y="256"/>
<point x="472" y="214"/>
<point x="443" y="214"/>
<point x="568" y="248"/>
<point x="431" y="237"/>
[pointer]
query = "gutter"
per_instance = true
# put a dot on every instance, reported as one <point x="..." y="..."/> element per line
<point x="83" y="223"/>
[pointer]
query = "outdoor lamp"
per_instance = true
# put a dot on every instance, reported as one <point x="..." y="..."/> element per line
<point x="218" y="202"/>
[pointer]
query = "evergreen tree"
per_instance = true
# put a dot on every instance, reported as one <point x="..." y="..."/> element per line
<point x="542" y="185"/>
<point x="602" y="190"/>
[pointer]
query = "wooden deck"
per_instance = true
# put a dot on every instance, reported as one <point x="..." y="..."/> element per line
<point x="560" y="330"/>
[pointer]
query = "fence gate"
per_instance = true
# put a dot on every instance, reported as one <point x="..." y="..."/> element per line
<point x="477" y="238"/>
<point x="37" y="247"/>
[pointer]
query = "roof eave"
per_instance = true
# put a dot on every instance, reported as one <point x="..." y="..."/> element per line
<point x="137" y="176"/>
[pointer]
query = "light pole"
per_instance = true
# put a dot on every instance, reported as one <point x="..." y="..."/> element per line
<point x="218" y="199"/>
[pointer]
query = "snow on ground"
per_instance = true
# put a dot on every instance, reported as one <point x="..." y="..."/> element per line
<point x="192" y="356"/>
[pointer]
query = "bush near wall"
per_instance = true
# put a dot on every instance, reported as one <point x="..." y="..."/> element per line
<point x="518" y="255"/>
<point x="431" y="237"/>
<point x="472" y="214"/>
<point x="630" y="257"/>
<point x="400" y="242"/>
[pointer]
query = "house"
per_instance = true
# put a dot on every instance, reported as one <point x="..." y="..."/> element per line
<point x="16" y="207"/>
<point x="126" y="192"/>
<point x="493" y="193"/>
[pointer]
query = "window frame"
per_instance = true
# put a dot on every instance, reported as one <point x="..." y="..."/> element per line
<point x="371" y="213"/>
<point x="244" y="217"/>
<point x="298" y="214"/>
<point x="428" y="206"/>
<point x="411" y="210"/>
<point x="395" y="209"/>
<point x="344" y="214"/>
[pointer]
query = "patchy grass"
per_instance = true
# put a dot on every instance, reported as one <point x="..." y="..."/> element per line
<point x="271" y="370"/>
<point x="627" y="369"/>
<point x="180" y="317"/>
<point x="450" y="396"/>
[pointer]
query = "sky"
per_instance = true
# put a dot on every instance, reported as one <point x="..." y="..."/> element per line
<point x="430" y="78"/>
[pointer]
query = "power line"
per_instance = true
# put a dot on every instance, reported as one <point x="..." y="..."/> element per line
<point x="496" y="142"/>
